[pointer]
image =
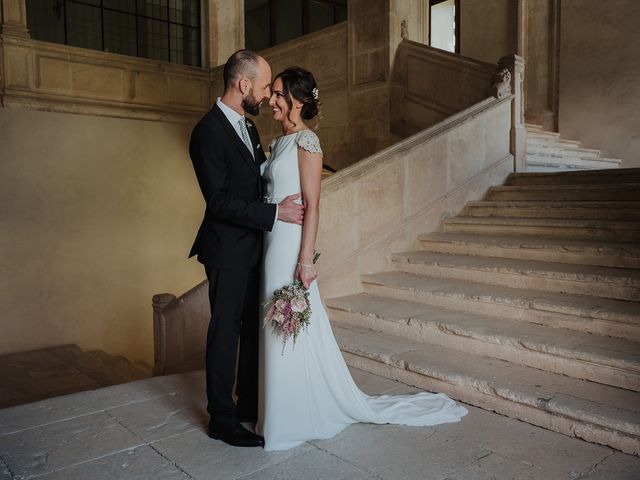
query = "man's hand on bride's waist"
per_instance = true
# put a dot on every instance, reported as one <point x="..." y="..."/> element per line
<point x="289" y="211"/>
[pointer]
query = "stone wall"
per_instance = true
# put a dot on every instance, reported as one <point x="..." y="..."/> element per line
<point x="600" y="76"/>
<point x="96" y="215"/>
<point x="488" y="29"/>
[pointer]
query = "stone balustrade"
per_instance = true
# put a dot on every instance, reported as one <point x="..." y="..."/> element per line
<point x="429" y="85"/>
<point x="46" y="76"/>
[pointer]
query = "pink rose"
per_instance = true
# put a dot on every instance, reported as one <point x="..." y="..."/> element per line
<point x="281" y="305"/>
<point x="299" y="305"/>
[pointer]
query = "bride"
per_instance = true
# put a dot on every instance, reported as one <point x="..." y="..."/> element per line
<point x="307" y="392"/>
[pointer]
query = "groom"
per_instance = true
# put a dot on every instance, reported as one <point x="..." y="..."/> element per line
<point x="226" y="154"/>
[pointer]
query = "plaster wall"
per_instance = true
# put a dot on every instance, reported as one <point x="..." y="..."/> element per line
<point x="600" y="76"/>
<point x="96" y="215"/>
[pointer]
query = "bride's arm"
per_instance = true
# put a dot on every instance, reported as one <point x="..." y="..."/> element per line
<point x="310" y="166"/>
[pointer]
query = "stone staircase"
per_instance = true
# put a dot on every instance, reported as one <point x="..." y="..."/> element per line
<point x="35" y="375"/>
<point x="548" y="152"/>
<point x="527" y="304"/>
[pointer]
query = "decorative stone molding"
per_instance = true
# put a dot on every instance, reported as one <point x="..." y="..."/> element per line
<point x="404" y="30"/>
<point x="14" y="18"/>
<point x="502" y="84"/>
<point x="46" y="76"/>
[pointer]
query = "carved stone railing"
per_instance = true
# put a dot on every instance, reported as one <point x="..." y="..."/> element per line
<point x="46" y="76"/>
<point x="179" y="330"/>
<point x="429" y="85"/>
<point x="369" y="210"/>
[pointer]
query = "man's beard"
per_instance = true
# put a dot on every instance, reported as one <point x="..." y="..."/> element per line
<point x="250" y="104"/>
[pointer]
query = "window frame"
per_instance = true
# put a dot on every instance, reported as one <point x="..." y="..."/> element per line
<point x="62" y="6"/>
<point x="456" y="20"/>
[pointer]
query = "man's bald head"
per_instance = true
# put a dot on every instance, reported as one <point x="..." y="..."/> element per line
<point x="247" y="81"/>
<point x="243" y="63"/>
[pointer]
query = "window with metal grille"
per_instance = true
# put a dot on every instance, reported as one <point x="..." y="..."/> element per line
<point x="270" y="22"/>
<point x="166" y="30"/>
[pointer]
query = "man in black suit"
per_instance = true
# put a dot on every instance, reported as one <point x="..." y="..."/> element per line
<point x="226" y="154"/>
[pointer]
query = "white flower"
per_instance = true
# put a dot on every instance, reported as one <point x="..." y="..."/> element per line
<point x="248" y="123"/>
<point x="279" y="318"/>
<point x="299" y="305"/>
<point x="316" y="93"/>
<point x="280" y="305"/>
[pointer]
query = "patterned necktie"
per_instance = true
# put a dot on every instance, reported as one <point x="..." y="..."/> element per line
<point x="245" y="136"/>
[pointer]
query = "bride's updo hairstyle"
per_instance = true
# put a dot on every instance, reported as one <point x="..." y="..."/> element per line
<point x="300" y="84"/>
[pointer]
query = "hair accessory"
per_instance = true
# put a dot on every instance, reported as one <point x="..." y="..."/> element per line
<point x="315" y="93"/>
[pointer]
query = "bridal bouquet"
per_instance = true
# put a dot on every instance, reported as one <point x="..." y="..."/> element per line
<point x="289" y="312"/>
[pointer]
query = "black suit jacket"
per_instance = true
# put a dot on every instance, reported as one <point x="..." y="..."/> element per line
<point x="230" y="235"/>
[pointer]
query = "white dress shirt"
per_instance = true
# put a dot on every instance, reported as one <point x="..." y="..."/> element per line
<point x="234" y="118"/>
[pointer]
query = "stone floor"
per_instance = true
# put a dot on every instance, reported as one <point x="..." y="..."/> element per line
<point x="154" y="429"/>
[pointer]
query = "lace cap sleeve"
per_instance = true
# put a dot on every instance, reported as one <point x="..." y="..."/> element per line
<point x="309" y="141"/>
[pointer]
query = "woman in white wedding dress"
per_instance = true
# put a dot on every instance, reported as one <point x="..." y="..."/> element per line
<point x="307" y="392"/>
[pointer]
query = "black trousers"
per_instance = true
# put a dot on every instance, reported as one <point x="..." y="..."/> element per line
<point x="233" y="296"/>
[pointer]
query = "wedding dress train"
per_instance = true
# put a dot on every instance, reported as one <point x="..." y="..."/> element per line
<point x="307" y="392"/>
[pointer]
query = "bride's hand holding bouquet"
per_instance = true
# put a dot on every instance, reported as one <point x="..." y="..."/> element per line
<point x="306" y="270"/>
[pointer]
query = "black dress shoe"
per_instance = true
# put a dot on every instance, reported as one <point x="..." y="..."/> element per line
<point x="235" y="435"/>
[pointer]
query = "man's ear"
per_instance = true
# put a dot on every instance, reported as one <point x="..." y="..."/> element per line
<point x="244" y="84"/>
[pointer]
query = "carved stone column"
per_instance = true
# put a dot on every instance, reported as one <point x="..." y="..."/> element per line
<point x="14" y="18"/>
<point x="538" y="43"/>
<point x="223" y="30"/>
<point x="515" y="65"/>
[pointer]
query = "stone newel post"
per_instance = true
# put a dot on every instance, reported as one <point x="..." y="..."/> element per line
<point x="160" y="301"/>
<point x="515" y="65"/>
<point x="14" y="18"/>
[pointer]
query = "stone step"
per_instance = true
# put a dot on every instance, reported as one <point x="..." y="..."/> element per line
<point x="569" y="193"/>
<point x="600" y="177"/>
<point x="537" y="137"/>
<point x="579" y="229"/>
<point x="542" y="135"/>
<point x="606" y="360"/>
<point x="586" y="210"/>
<point x="551" y="140"/>
<point x="594" y="412"/>
<point x="606" y="282"/>
<point x="605" y="254"/>
<point x="561" y="149"/>
<point x="587" y="314"/>
<point x="554" y="168"/>
<point x="570" y="160"/>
